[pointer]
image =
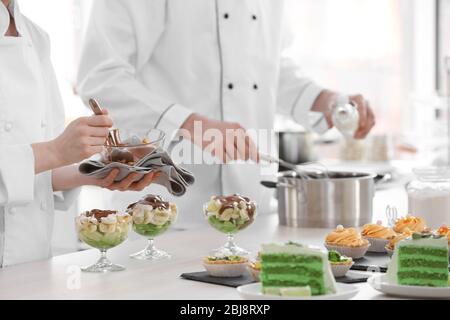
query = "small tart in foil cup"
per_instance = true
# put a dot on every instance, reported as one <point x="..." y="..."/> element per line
<point x="254" y="272"/>
<point x="226" y="270"/>
<point x="389" y="251"/>
<point x="340" y="269"/>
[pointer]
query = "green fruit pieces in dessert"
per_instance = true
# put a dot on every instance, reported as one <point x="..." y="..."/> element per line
<point x="223" y="226"/>
<point x="294" y="266"/>
<point x="232" y="258"/>
<point x="336" y="258"/>
<point x="103" y="229"/>
<point x="101" y="240"/>
<point x="150" y="230"/>
<point x="420" y="261"/>
<point x="152" y="215"/>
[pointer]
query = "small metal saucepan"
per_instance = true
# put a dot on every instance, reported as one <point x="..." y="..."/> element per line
<point x="343" y="198"/>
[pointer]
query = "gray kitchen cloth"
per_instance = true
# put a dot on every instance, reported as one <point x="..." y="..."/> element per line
<point x="172" y="176"/>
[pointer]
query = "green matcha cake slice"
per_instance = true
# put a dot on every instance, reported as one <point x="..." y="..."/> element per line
<point x="420" y="261"/>
<point x="295" y="266"/>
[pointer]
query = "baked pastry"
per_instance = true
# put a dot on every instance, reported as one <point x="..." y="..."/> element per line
<point x="378" y="236"/>
<point x="444" y="231"/>
<point x="399" y="237"/>
<point x="340" y="264"/>
<point x="347" y="241"/>
<point x="225" y="266"/>
<point x="411" y="223"/>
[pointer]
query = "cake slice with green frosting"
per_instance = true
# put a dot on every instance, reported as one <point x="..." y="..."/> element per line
<point x="420" y="261"/>
<point x="295" y="266"/>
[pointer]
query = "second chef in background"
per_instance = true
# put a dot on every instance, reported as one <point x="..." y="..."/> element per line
<point x="168" y="64"/>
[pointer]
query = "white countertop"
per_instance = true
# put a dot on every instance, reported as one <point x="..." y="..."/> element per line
<point x="56" y="278"/>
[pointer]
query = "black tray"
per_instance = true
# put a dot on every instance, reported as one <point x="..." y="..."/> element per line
<point x="247" y="279"/>
<point x="353" y="278"/>
<point x="228" y="282"/>
<point x="375" y="262"/>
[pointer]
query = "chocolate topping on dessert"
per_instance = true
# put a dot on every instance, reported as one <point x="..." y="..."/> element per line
<point x="123" y="156"/>
<point x="99" y="214"/>
<point x="228" y="202"/>
<point x="157" y="202"/>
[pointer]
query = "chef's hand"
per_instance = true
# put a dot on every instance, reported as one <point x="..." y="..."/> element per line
<point x="327" y="99"/>
<point x="82" y="138"/>
<point x="69" y="177"/>
<point x="366" y="116"/>
<point x="130" y="183"/>
<point x="226" y="141"/>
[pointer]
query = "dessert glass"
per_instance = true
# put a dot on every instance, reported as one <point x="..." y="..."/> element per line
<point x="231" y="220"/>
<point x="106" y="231"/>
<point x="151" y="222"/>
<point x="128" y="146"/>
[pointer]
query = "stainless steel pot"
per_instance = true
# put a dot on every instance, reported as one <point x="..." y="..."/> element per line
<point x="344" y="198"/>
<point x="296" y="146"/>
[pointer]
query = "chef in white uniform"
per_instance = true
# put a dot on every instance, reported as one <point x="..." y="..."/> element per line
<point x="37" y="171"/>
<point x="169" y="63"/>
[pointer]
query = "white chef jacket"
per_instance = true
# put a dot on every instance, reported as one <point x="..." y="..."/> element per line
<point x="154" y="62"/>
<point x="30" y="111"/>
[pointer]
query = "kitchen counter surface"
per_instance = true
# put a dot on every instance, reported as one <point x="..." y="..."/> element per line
<point x="59" y="277"/>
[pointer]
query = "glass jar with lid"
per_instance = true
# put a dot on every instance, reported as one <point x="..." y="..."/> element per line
<point x="429" y="195"/>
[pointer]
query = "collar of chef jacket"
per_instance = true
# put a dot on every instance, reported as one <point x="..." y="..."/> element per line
<point x="13" y="10"/>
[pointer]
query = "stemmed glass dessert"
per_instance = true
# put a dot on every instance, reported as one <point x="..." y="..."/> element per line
<point x="230" y="214"/>
<point x="152" y="216"/>
<point x="103" y="230"/>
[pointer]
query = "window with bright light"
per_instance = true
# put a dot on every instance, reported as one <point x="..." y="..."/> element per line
<point x="380" y="48"/>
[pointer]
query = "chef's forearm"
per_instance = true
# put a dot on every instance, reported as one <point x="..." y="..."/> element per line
<point x="67" y="178"/>
<point x="45" y="157"/>
<point x="324" y="103"/>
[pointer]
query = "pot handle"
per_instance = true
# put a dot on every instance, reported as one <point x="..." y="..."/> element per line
<point x="269" y="184"/>
<point x="274" y="185"/>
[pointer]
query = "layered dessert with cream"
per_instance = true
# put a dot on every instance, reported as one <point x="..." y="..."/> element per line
<point x="229" y="214"/>
<point x="152" y="215"/>
<point x="421" y="260"/>
<point x="295" y="270"/>
<point x="103" y="229"/>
